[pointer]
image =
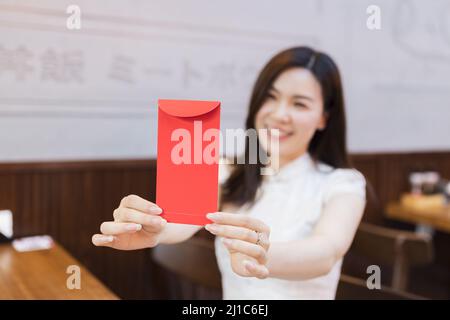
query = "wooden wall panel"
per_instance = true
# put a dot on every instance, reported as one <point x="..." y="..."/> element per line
<point x="69" y="200"/>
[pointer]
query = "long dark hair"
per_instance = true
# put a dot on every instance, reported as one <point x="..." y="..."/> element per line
<point x="327" y="145"/>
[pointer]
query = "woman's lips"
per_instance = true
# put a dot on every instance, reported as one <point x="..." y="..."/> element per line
<point x="278" y="133"/>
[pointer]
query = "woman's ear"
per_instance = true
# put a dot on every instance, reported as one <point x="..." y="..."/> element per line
<point x="323" y="121"/>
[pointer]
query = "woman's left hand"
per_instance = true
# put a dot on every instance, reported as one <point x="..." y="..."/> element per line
<point x="247" y="240"/>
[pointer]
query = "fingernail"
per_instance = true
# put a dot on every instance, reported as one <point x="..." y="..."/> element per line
<point x="133" y="227"/>
<point x="155" y="210"/>
<point x="226" y="241"/>
<point x="248" y="263"/>
<point x="212" y="215"/>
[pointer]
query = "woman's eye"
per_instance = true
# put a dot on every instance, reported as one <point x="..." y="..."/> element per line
<point x="299" y="105"/>
<point x="270" y="96"/>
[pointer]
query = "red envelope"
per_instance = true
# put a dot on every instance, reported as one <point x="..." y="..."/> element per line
<point x="188" y="158"/>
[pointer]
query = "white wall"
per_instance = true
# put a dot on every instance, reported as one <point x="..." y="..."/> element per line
<point x="91" y="93"/>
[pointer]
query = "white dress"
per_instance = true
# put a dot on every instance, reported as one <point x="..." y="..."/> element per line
<point x="290" y="203"/>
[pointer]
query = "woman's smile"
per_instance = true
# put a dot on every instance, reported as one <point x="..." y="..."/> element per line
<point x="278" y="132"/>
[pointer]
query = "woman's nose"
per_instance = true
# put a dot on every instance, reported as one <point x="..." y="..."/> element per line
<point x="281" y="112"/>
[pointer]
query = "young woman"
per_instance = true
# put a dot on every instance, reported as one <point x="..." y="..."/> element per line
<point x="280" y="236"/>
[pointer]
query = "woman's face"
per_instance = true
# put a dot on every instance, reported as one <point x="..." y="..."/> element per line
<point x="294" y="106"/>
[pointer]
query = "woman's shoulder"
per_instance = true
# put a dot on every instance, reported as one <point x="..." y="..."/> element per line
<point x="331" y="173"/>
<point x="342" y="180"/>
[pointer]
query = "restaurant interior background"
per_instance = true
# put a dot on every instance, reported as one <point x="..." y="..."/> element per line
<point x="78" y="124"/>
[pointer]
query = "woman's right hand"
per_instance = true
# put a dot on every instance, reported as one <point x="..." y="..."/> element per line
<point x="136" y="225"/>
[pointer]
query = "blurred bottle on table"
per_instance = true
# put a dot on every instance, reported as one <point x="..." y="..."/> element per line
<point x="427" y="192"/>
<point x="447" y="192"/>
<point x="431" y="180"/>
<point x="416" y="182"/>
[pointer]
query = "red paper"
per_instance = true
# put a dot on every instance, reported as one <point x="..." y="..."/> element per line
<point x="187" y="190"/>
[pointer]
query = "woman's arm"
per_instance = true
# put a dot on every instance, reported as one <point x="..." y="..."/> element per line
<point x="315" y="255"/>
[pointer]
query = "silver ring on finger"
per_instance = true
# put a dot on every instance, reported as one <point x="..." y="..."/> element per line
<point x="259" y="239"/>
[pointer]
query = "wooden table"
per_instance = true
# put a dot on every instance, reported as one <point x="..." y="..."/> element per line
<point x="42" y="275"/>
<point x="439" y="219"/>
